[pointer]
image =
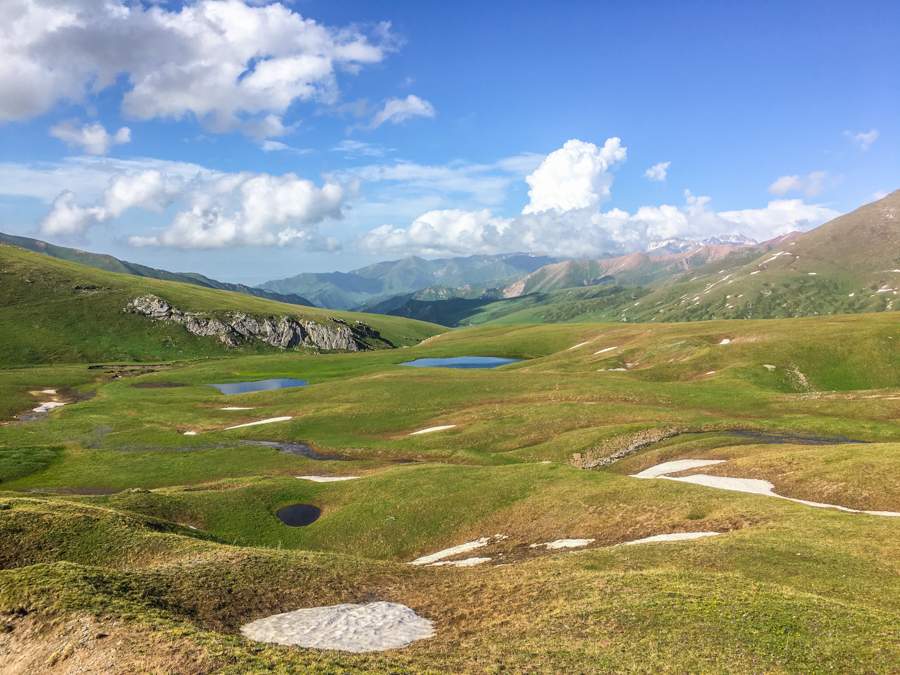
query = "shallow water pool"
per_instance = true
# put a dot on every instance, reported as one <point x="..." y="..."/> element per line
<point x="461" y="362"/>
<point x="299" y="515"/>
<point x="258" y="385"/>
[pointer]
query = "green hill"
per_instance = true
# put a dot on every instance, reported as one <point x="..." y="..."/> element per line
<point x="849" y="265"/>
<point x="102" y="261"/>
<point x="350" y="290"/>
<point x="125" y="541"/>
<point x="55" y="311"/>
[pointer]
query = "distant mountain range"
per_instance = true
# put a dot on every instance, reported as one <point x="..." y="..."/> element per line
<point x="351" y="290"/>
<point x="673" y="246"/>
<point x="110" y="264"/>
<point x="848" y="265"/>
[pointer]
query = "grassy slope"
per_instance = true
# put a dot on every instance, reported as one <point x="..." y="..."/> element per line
<point x="845" y="266"/>
<point x="110" y="264"/>
<point x="595" y="303"/>
<point x="45" y="319"/>
<point x="788" y="589"/>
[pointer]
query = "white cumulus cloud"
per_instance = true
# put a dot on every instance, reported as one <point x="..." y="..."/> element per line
<point x="863" y="140"/>
<point x="657" y="172"/>
<point x="253" y="210"/>
<point x="565" y="220"/>
<point x="810" y="185"/>
<point x="576" y="176"/>
<point x="214" y="210"/>
<point x="232" y="66"/>
<point x="398" y="110"/>
<point x="90" y="138"/>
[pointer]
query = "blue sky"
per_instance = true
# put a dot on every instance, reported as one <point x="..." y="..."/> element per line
<point x="251" y="141"/>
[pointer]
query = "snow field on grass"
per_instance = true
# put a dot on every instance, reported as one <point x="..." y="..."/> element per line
<point x="749" y="485"/>
<point x="430" y="429"/>
<point x="253" y="424"/>
<point x="351" y="628"/>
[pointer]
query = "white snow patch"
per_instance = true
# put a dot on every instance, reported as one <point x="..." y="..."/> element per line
<point x="580" y="344"/>
<point x="725" y="341"/>
<point x="48" y="391"/>
<point x="468" y="562"/>
<point x="449" y="552"/>
<point x="189" y="433"/>
<point x="712" y="372"/>
<point x="48" y="406"/>
<point x="430" y="429"/>
<point x="325" y="479"/>
<point x="675" y="536"/>
<point x="608" y="349"/>
<point x="233" y="407"/>
<point x="564" y="543"/>
<point x="749" y="485"/>
<point x="752" y="485"/>
<point x="253" y="424"/>
<point x="756" y="272"/>
<point x="675" y="467"/>
<point x="351" y="628"/>
<point x="812" y="274"/>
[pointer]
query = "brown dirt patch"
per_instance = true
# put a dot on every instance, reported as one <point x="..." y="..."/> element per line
<point x="70" y="645"/>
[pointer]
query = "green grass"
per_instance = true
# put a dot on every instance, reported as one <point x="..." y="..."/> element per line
<point x="47" y="318"/>
<point x="20" y="462"/>
<point x="99" y="498"/>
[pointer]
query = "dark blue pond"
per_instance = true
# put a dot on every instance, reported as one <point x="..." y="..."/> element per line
<point x="461" y="362"/>
<point x="259" y="385"/>
<point x="299" y="515"/>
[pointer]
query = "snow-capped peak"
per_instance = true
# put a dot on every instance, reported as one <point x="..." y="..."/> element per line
<point x="677" y="245"/>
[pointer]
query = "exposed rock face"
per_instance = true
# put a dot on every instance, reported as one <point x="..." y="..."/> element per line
<point x="621" y="446"/>
<point x="236" y="327"/>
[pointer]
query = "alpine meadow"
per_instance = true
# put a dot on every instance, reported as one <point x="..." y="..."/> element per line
<point x="463" y="372"/>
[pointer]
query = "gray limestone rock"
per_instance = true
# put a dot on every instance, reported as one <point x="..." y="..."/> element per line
<point x="284" y="331"/>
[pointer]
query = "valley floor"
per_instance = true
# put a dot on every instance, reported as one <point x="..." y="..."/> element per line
<point x="138" y="531"/>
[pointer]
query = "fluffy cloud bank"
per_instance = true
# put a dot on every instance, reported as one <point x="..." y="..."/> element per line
<point x="563" y="217"/>
<point x="217" y="210"/>
<point x="233" y="66"/>
<point x="93" y="139"/>
<point x="577" y="176"/>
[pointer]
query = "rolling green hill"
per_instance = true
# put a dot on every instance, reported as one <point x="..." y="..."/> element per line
<point x="55" y="311"/>
<point x="108" y="263"/>
<point x="123" y="540"/>
<point x="849" y="265"/>
<point x="349" y="290"/>
<point x="568" y="305"/>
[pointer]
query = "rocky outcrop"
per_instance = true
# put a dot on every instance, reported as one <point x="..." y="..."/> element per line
<point x="234" y="328"/>
<point x="618" y="447"/>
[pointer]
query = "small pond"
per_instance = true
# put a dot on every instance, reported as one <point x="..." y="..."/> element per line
<point x="461" y="362"/>
<point x="298" y="515"/>
<point x="259" y="385"/>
